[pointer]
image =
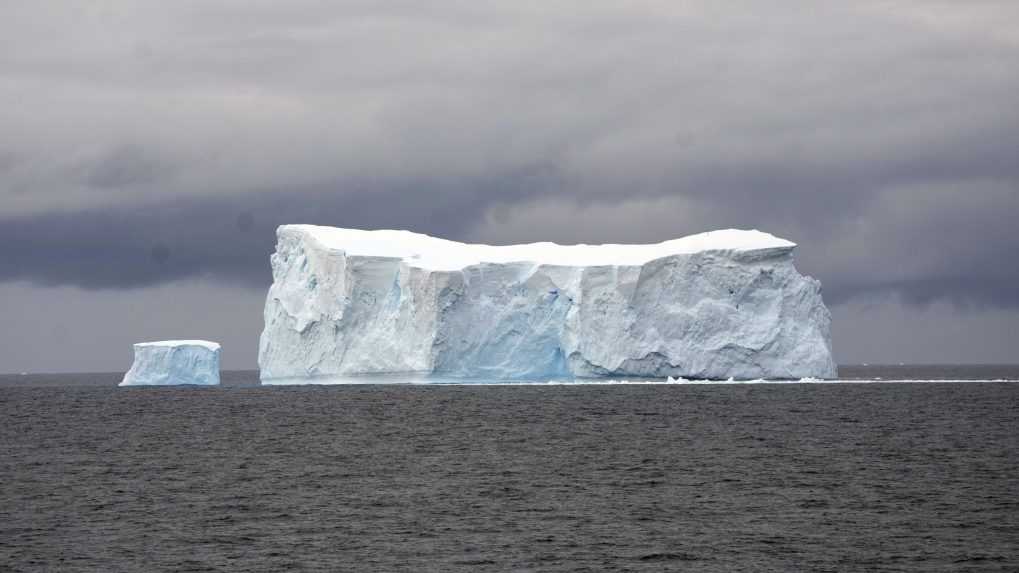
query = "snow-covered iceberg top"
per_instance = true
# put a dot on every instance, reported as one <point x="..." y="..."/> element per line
<point x="432" y="253"/>
<point x="172" y="362"/>
<point x="347" y="303"/>
<point x="203" y="343"/>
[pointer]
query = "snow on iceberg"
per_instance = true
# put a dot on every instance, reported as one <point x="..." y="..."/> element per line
<point x="170" y="362"/>
<point x="718" y="305"/>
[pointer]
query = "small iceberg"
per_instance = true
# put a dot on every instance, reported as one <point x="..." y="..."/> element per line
<point x="173" y="362"/>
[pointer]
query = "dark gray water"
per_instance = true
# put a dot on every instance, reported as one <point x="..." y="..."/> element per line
<point x="766" y="477"/>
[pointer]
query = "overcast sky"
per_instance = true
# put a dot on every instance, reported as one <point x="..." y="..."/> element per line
<point x="148" y="149"/>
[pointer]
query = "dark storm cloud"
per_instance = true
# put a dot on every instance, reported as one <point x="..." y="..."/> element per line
<point x="227" y="238"/>
<point x="945" y="250"/>
<point x="148" y="142"/>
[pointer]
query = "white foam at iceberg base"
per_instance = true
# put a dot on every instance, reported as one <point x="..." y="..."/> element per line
<point x="173" y="362"/>
<point x="429" y="380"/>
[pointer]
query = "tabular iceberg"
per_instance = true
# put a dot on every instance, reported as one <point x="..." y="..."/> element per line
<point x="171" y="362"/>
<point x="726" y="304"/>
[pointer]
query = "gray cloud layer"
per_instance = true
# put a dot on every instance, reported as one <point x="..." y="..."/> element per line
<point x="921" y="243"/>
<point x="145" y="142"/>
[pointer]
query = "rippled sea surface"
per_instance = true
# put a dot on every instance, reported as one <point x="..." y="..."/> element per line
<point x="762" y="477"/>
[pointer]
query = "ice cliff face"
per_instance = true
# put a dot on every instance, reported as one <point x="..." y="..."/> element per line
<point x="717" y="305"/>
<point x="171" y="362"/>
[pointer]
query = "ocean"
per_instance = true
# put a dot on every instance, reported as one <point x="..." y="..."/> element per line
<point x="866" y="474"/>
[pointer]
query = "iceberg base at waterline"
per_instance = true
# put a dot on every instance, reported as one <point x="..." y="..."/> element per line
<point x="174" y="362"/>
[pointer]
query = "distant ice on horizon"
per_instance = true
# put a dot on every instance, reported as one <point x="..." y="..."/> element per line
<point x="174" y="362"/>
